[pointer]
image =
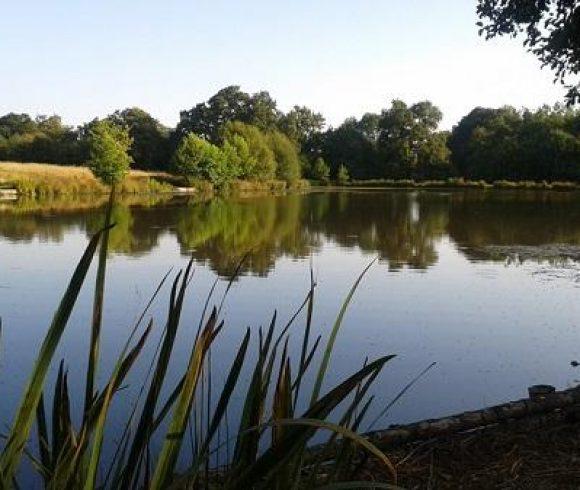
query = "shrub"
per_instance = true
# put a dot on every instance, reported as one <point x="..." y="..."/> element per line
<point x="287" y="157"/>
<point x="196" y="158"/>
<point x="321" y="171"/>
<point x="342" y="177"/>
<point x="259" y="164"/>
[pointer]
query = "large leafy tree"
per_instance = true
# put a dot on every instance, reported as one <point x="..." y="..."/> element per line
<point x="352" y="144"/>
<point x="286" y="156"/>
<point x="301" y="123"/>
<point x="263" y="112"/>
<point x="550" y="28"/>
<point x="260" y="163"/>
<point x="404" y="132"/>
<point x="109" y="146"/>
<point x="197" y="158"/>
<point x="150" y="149"/>
<point x="208" y="119"/>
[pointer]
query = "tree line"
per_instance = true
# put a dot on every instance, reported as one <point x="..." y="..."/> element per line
<point x="236" y="135"/>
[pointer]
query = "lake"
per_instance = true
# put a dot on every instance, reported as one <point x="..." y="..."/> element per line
<point x="484" y="283"/>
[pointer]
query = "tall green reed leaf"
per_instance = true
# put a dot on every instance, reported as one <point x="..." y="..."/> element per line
<point x="168" y="456"/>
<point x="331" y="340"/>
<point x="296" y="438"/>
<point x="122" y="367"/>
<point x="98" y="302"/>
<point x="20" y="430"/>
<point x="144" y="428"/>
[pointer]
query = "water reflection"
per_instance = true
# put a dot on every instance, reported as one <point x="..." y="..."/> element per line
<point x="403" y="228"/>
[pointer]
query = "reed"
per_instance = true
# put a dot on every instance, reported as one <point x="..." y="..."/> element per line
<point x="270" y="447"/>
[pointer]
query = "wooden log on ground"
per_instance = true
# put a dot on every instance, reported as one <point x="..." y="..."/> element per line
<point x="538" y="404"/>
<point x="539" y="409"/>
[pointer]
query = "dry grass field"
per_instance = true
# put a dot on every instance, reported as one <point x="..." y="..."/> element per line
<point x="36" y="179"/>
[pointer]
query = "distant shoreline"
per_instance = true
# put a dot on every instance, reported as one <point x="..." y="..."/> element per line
<point x="455" y="183"/>
<point x="50" y="180"/>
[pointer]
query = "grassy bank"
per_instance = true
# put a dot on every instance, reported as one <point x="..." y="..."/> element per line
<point x="460" y="183"/>
<point x="43" y="180"/>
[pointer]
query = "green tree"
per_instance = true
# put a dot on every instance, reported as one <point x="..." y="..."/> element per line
<point x="434" y="157"/>
<point x="12" y="124"/>
<point x="198" y="159"/>
<point x="263" y="112"/>
<point x="261" y="163"/>
<point x="237" y="153"/>
<point x="286" y="156"/>
<point x="342" y="176"/>
<point x="404" y="131"/>
<point x="321" y="171"/>
<point x="109" y="151"/>
<point x="43" y="139"/>
<point x="301" y="123"/>
<point x="352" y="142"/>
<point x="550" y="28"/>
<point x="150" y="147"/>
<point x="208" y="119"/>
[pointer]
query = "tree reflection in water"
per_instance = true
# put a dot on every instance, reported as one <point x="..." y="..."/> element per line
<point x="403" y="227"/>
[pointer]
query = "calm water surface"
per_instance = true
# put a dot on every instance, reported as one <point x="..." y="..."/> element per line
<point x="484" y="283"/>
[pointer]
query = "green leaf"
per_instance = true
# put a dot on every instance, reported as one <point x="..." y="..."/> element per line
<point x="20" y="430"/>
<point x="330" y="345"/>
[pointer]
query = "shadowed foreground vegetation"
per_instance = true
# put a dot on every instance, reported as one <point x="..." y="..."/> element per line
<point x="269" y="448"/>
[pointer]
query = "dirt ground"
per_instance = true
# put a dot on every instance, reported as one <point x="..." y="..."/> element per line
<point x="520" y="456"/>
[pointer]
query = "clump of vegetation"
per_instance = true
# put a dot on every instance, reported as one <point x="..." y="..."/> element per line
<point x="286" y="156"/>
<point x="109" y="146"/>
<point x="197" y="159"/>
<point x="321" y="171"/>
<point x="270" y="448"/>
<point x="258" y="162"/>
<point x="342" y="176"/>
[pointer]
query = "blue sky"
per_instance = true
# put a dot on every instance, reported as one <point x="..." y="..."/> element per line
<point x="82" y="59"/>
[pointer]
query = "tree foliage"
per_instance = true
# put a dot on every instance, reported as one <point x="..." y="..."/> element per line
<point x="109" y="151"/>
<point x="400" y="142"/>
<point x="286" y="155"/>
<point x="321" y="171"/>
<point x="208" y="119"/>
<point x="260" y="163"/>
<point x="504" y="143"/>
<point x="301" y="123"/>
<point x="551" y="30"/>
<point x="150" y="148"/>
<point x="251" y="139"/>
<point x="198" y="159"/>
<point x="43" y="139"/>
<point x="342" y="177"/>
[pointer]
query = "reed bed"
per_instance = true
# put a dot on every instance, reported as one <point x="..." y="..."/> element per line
<point x="269" y="449"/>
